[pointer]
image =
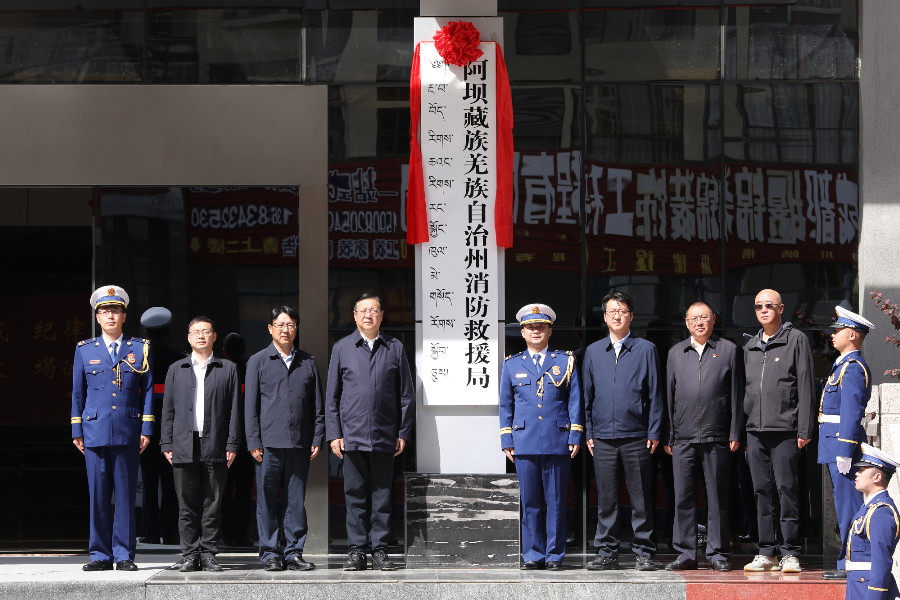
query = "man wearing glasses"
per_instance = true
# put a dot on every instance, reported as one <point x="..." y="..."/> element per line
<point x="778" y="404"/>
<point x="369" y="418"/>
<point x="705" y="390"/>
<point x="623" y="396"/>
<point x="285" y="425"/>
<point x="112" y="421"/>
<point x="200" y="437"/>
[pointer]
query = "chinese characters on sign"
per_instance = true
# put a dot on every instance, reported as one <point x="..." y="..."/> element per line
<point x="36" y="356"/>
<point x="459" y="350"/>
<point x="668" y="220"/>
<point x="242" y="225"/>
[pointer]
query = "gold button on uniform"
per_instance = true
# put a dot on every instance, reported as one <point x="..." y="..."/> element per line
<point x="540" y="418"/>
<point x="114" y="407"/>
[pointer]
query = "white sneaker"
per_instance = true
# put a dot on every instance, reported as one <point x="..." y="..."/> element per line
<point x="789" y="564"/>
<point x="765" y="563"/>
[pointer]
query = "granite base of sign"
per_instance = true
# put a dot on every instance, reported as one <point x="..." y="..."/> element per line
<point x="462" y="521"/>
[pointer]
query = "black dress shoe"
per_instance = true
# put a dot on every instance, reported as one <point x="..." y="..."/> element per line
<point x="209" y="563"/>
<point x="126" y="565"/>
<point x="275" y="564"/>
<point x="356" y="561"/>
<point x="603" y="563"/>
<point x="554" y="565"/>
<point x="190" y="564"/>
<point x="98" y="565"/>
<point x="681" y="565"/>
<point x="296" y="563"/>
<point x="647" y="563"/>
<point x="532" y="565"/>
<point x="721" y="565"/>
<point x="381" y="561"/>
<point x="838" y="574"/>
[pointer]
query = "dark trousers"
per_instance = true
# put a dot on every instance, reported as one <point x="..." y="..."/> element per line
<point x="714" y="459"/>
<point x="543" y="486"/>
<point x="774" y="456"/>
<point x="112" y="470"/>
<point x="847" y="500"/>
<point x="287" y="469"/>
<point x="368" y="477"/>
<point x="629" y="458"/>
<point x="159" y="517"/>
<point x="200" y="487"/>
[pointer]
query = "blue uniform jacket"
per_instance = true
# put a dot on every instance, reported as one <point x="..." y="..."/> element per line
<point x="221" y="412"/>
<point x="112" y="402"/>
<point x="369" y="399"/>
<point x="873" y="538"/>
<point x="540" y="408"/>
<point x="623" y="398"/>
<point x="845" y="395"/>
<point x="283" y="408"/>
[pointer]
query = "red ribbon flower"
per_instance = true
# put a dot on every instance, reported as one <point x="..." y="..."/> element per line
<point x="457" y="43"/>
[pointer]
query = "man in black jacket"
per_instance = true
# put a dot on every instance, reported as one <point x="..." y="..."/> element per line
<point x="285" y="423"/>
<point x="705" y="390"/>
<point x="778" y="404"/>
<point x="200" y="438"/>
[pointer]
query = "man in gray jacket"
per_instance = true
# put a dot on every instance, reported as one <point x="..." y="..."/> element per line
<point x="705" y="390"/>
<point x="779" y="404"/>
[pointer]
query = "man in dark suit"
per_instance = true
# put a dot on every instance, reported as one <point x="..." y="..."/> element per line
<point x="369" y="412"/>
<point x="201" y="429"/>
<point x="285" y="424"/>
<point x="705" y="392"/>
<point x="541" y="428"/>
<point x="112" y="421"/>
<point x="623" y="405"/>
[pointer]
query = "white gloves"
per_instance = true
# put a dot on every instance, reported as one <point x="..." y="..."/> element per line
<point x="843" y="464"/>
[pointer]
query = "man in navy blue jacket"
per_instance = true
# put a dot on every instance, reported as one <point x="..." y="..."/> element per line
<point x="623" y="396"/>
<point x="369" y="417"/>
<point x="285" y="424"/>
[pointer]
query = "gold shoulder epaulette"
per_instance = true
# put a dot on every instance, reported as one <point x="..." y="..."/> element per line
<point x="513" y="355"/>
<point x="83" y="342"/>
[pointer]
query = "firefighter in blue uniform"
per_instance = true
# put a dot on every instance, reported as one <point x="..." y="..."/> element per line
<point x="112" y="420"/>
<point x="841" y="410"/>
<point x="541" y="430"/>
<point x="874" y="530"/>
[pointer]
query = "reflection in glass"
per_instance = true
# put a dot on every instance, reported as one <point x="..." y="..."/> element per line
<point x="811" y="39"/>
<point x="651" y="45"/>
<point x="796" y="123"/>
<point x="72" y="47"/>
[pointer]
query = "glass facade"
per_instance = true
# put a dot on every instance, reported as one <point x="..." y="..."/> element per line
<point x="676" y="151"/>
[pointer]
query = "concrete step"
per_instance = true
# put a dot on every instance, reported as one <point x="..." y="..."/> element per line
<point x="32" y="577"/>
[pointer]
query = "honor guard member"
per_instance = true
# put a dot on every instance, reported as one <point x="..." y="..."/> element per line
<point x="841" y="410"/>
<point x="112" y="421"/>
<point x="541" y="429"/>
<point x="874" y="530"/>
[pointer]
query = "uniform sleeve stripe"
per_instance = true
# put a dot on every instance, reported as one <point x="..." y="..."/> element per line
<point x="76" y="420"/>
<point x="878" y="589"/>
<point x="577" y="427"/>
<point x="506" y="430"/>
<point x="150" y="418"/>
<point x="849" y="441"/>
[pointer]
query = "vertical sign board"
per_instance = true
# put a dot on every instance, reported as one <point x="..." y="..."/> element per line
<point x="459" y="357"/>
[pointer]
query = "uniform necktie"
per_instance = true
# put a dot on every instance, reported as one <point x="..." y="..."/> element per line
<point x="537" y="360"/>
<point x="112" y="351"/>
